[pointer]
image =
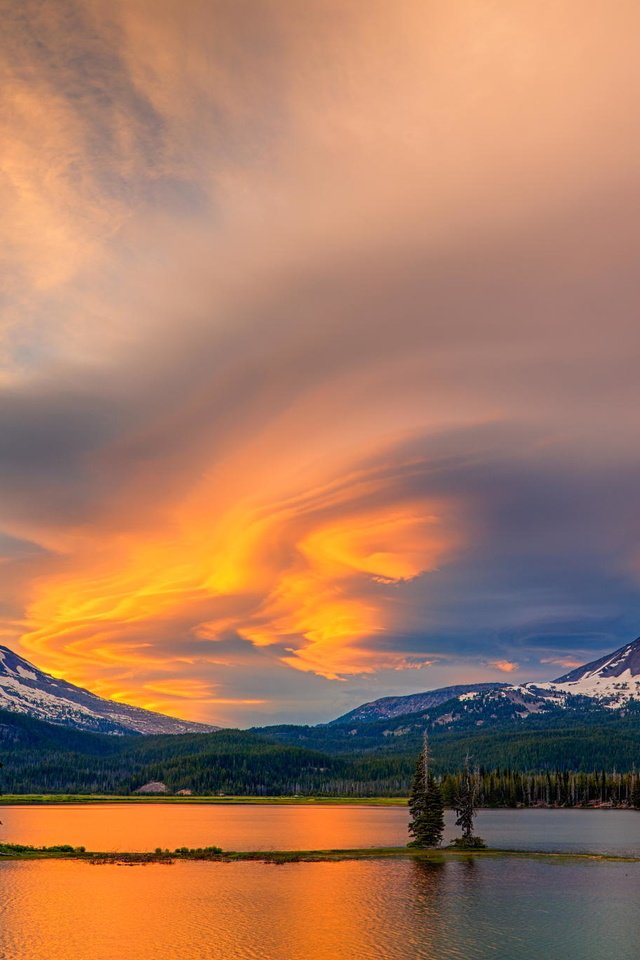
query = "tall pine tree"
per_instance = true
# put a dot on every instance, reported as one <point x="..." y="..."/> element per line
<point x="425" y="804"/>
<point x="466" y="804"/>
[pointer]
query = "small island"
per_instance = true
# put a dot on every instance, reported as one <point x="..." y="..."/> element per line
<point x="18" y="851"/>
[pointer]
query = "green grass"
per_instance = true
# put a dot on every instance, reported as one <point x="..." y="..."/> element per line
<point x="24" y="799"/>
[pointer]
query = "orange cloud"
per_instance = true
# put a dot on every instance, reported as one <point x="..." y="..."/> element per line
<point x="250" y="263"/>
<point x="319" y="602"/>
<point x="506" y="666"/>
<point x="310" y="575"/>
<point x="568" y="662"/>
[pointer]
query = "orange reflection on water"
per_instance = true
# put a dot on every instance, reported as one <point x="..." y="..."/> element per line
<point x="144" y="826"/>
<point x="60" y="910"/>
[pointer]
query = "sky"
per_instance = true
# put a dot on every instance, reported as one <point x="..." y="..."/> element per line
<point x="318" y="346"/>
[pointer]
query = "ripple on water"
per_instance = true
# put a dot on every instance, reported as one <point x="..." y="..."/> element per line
<point x="378" y="910"/>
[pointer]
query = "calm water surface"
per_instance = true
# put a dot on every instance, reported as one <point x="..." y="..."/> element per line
<point x="482" y="910"/>
<point x="146" y="826"/>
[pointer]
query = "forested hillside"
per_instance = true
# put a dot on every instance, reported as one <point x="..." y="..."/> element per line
<point x="560" y="737"/>
<point x="41" y="758"/>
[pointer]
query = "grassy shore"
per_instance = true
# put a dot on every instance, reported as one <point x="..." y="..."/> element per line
<point x="15" y="851"/>
<point x="35" y="799"/>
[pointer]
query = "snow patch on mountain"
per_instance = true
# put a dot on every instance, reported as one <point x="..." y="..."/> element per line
<point x="613" y="691"/>
<point x="26" y="689"/>
<point x="613" y="679"/>
<point x="388" y="707"/>
<point x="610" y="681"/>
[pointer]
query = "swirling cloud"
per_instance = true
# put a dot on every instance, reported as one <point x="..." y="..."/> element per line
<point x="319" y="345"/>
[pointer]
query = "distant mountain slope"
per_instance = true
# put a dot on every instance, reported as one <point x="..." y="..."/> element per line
<point x="492" y="713"/>
<point x="611" y="681"/>
<point x="388" y="707"/>
<point x="613" y="678"/>
<point x="27" y="690"/>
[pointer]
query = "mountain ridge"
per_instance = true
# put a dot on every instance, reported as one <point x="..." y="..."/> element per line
<point x="26" y="689"/>
<point x="614" y="677"/>
<point x="526" y="728"/>
<point x="389" y="707"/>
<point x="611" y="680"/>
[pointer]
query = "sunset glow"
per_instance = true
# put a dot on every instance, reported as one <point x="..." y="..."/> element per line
<point x="318" y="350"/>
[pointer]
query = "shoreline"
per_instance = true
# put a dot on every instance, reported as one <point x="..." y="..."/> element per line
<point x="53" y="799"/>
<point x="12" y="852"/>
<point x="37" y="799"/>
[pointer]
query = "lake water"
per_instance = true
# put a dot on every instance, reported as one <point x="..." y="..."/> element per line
<point x="404" y="910"/>
<point x="147" y="826"/>
<point x="503" y="909"/>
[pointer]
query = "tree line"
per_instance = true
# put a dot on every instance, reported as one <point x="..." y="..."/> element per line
<point x="41" y="758"/>
<point x="562" y="788"/>
<point x="469" y="789"/>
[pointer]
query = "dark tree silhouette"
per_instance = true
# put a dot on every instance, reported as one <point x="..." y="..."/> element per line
<point x="466" y="805"/>
<point x="426" y="804"/>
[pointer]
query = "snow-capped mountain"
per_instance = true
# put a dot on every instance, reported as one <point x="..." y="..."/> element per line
<point x="611" y="682"/>
<point x="388" y="707"/>
<point x="613" y="679"/>
<point x="26" y="689"/>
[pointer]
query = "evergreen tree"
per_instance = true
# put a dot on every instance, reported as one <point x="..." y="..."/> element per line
<point x="466" y="804"/>
<point x="426" y="804"/>
<point x="635" y="794"/>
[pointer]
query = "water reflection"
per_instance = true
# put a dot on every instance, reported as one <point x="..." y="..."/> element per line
<point x="146" y="826"/>
<point x="426" y="879"/>
<point x="426" y="916"/>
<point x="379" y="910"/>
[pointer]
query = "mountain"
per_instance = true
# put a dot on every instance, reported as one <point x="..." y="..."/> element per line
<point x="609" y="683"/>
<point x="612" y="681"/>
<point x="524" y="728"/>
<point x="497" y="711"/>
<point x="388" y="707"/>
<point x="27" y="690"/>
<point x="487" y="716"/>
<point x="485" y="701"/>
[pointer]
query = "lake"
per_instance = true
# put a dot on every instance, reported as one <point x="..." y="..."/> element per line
<point x="143" y="826"/>
<point x="404" y="910"/>
<point x="502" y="909"/>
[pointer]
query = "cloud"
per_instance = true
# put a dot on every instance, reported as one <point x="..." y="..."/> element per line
<point x="319" y="350"/>
<point x="568" y="662"/>
<point x="505" y="666"/>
